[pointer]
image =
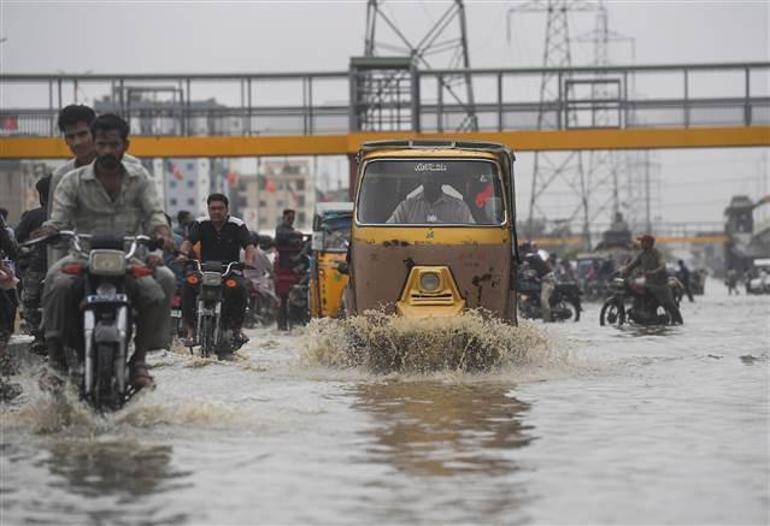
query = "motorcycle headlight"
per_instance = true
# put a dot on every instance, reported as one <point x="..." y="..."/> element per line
<point x="107" y="262"/>
<point x="212" y="279"/>
<point x="429" y="281"/>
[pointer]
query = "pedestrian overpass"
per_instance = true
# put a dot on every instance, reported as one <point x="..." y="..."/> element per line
<point x="331" y="113"/>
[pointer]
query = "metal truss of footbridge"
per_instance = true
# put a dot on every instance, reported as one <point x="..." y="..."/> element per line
<point x="319" y="113"/>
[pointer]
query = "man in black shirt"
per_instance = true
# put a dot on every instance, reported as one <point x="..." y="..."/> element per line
<point x="221" y="239"/>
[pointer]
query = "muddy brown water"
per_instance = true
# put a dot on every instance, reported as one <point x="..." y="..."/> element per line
<point x="572" y="424"/>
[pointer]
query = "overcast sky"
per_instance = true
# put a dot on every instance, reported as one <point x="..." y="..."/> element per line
<point x="156" y="36"/>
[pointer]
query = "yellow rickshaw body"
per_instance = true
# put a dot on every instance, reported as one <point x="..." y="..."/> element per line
<point x="331" y="234"/>
<point x="430" y="269"/>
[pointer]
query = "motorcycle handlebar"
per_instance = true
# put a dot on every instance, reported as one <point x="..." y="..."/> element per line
<point x="75" y="239"/>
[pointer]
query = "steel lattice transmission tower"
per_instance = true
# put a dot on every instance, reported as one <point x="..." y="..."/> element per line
<point x="602" y="178"/>
<point x="552" y="167"/>
<point x="443" y="46"/>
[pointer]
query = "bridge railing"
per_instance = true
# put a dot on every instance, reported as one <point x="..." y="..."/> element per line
<point x="684" y="95"/>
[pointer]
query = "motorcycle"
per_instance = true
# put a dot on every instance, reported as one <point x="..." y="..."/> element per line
<point x="210" y="278"/>
<point x="565" y="300"/>
<point x="263" y="302"/>
<point x="292" y="270"/>
<point x="107" y="314"/>
<point x="644" y="308"/>
<point x="177" y="324"/>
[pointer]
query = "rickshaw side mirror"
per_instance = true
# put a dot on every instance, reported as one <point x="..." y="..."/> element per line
<point x="343" y="267"/>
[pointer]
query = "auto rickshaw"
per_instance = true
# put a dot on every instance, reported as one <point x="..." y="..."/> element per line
<point x="434" y="229"/>
<point x="331" y="238"/>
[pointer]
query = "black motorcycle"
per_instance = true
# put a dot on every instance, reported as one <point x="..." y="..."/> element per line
<point x="211" y="277"/>
<point x="632" y="302"/>
<point x="565" y="300"/>
<point x="107" y="314"/>
<point x="298" y="303"/>
<point x="263" y="304"/>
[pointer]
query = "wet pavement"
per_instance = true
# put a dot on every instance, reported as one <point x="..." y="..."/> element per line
<point x="577" y="424"/>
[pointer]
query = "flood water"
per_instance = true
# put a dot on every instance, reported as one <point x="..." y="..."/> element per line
<point x="581" y="425"/>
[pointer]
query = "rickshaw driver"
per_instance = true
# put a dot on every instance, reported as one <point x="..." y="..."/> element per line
<point x="432" y="205"/>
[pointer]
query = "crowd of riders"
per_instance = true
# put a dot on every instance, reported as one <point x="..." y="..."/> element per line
<point x="102" y="189"/>
<point x="541" y="273"/>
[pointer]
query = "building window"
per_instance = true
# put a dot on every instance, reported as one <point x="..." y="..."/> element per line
<point x="191" y="184"/>
<point x="191" y="201"/>
<point x="300" y="184"/>
<point x="172" y="201"/>
<point x="262" y="202"/>
<point x="301" y="218"/>
<point x="191" y="166"/>
<point x="279" y="203"/>
<point x="300" y="200"/>
<point x="172" y="184"/>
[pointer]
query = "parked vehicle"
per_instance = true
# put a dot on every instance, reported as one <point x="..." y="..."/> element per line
<point x="758" y="280"/>
<point x="332" y="224"/>
<point x="565" y="300"/>
<point x="263" y="302"/>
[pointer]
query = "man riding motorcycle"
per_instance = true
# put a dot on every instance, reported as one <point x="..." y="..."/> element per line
<point x="221" y="239"/>
<point x="115" y="197"/>
<point x="545" y="274"/>
<point x="650" y="261"/>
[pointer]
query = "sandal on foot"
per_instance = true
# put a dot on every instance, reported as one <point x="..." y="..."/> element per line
<point x="140" y="375"/>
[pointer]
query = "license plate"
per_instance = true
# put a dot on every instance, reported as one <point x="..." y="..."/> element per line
<point x="176" y="314"/>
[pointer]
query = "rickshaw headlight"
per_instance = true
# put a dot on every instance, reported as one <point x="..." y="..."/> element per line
<point x="429" y="281"/>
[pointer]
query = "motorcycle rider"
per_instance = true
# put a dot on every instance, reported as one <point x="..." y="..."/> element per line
<point x="288" y="244"/>
<point x="546" y="276"/>
<point x="7" y="287"/>
<point x="75" y="125"/>
<point x="650" y="261"/>
<point x="684" y="276"/>
<point x="221" y="237"/>
<point x="108" y="195"/>
<point x="34" y="265"/>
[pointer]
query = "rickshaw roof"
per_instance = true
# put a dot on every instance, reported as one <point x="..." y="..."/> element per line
<point x="337" y="206"/>
<point x="432" y="148"/>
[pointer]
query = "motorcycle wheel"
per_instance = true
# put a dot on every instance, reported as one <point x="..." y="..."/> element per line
<point x="576" y="308"/>
<point x="103" y="395"/>
<point x="207" y="336"/>
<point x="612" y="313"/>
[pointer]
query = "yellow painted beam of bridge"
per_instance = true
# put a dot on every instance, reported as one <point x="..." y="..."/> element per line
<point x="576" y="241"/>
<point x="237" y="146"/>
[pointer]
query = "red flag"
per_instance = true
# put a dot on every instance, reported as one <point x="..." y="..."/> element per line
<point x="11" y="123"/>
<point x="269" y="185"/>
<point x="176" y="171"/>
<point x="483" y="196"/>
<point x="232" y="177"/>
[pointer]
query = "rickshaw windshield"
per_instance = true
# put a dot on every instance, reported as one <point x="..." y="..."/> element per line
<point x="431" y="192"/>
<point x="336" y="228"/>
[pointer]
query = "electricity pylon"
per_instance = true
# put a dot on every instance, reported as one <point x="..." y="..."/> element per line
<point x="443" y="46"/>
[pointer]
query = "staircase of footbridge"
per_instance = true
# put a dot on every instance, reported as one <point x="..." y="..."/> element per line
<point x="331" y="113"/>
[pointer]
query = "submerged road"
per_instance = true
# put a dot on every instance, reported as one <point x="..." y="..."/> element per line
<point x="598" y="426"/>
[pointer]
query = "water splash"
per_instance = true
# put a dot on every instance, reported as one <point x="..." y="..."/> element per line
<point x="385" y="343"/>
